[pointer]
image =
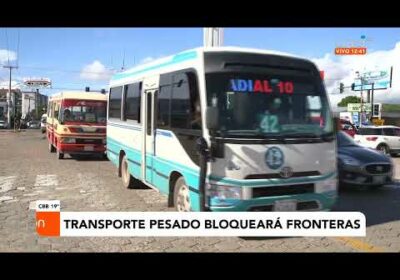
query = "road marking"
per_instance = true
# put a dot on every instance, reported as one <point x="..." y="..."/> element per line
<point x="360" y="245"/>
<point x="7" y="183"/>
<point x="46" y="180"/>
<point x="5" y="198"/>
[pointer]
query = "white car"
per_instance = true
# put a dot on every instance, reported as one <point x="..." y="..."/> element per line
<point x="385" y="138"/>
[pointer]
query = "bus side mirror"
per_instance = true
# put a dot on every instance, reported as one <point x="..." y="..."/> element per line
<point x="212" y="121"/>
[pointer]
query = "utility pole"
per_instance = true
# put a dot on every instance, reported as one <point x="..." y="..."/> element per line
<point x="9" y="96"/>
<point x="213" y="37"/>
<point x="372" y="101"/>
<point x="36" y="102"/>
<point x="361" y="93"/>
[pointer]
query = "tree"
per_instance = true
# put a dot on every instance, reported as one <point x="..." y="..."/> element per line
<point x="349" y="99"/>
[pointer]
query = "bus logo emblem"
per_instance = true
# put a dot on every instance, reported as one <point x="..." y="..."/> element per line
<point x="274" y="158"/>
<point x="286" y="172"/>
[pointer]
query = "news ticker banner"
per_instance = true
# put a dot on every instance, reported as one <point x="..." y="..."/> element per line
<point x="52" y="222"/>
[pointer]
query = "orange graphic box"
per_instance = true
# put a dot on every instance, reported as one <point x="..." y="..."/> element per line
<point x="48" y="223"/>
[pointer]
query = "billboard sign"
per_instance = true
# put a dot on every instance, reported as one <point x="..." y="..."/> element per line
<point x="356" y="107"/>
<point x="380" y="78"/>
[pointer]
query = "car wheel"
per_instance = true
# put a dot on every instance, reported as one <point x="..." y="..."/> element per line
<point x="384" y="149"/>
<point x="181" y="196"/>
<point x="127" y="179"/>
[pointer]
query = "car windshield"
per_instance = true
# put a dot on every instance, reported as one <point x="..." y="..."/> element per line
<point x="344" y="140"/>
<point x="254" y="105"/>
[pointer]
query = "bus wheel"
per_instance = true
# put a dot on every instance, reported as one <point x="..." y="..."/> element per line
<point x="60" y="155"/>
<point x="127" y="179"/>
<point x="181" y="196"/>
<point x="51" y="148"/>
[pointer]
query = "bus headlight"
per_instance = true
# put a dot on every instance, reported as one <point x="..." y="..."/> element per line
<point x="224" y="192"/>
<point x="67" y="140"/>
<point x="326" y="185"/>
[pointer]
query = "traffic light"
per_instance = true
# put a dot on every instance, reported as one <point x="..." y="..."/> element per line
<point x="375" y="112"/>
<point x="353" y="85"/>
<point x="341" y="88"/>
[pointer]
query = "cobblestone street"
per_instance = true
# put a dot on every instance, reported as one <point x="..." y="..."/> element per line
<point x="29" y="172"/>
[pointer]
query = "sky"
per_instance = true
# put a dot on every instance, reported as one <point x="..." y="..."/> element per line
<point x="73" y="58"/>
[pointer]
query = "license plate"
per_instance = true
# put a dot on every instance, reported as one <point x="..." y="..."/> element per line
<point x="88" y="148"/>
<point x="285" y="205"/>
<point x="379" y="179"/>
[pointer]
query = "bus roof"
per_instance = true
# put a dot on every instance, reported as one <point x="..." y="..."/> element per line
<point x="190" y="55"/>
<point x="78" y="95"/>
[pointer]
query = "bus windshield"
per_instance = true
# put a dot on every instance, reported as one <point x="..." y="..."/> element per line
<point x="83" y="111"/>
<point x="255" y="105"/>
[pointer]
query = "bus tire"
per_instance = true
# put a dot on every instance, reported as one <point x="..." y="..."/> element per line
<point x="60" y="155"/>
<point x="51" y="148"/>
<point x="127" y="179"/>
<point x="181" y="196"/>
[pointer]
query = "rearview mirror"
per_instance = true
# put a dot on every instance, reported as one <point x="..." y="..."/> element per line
<point x="212" y="121"/>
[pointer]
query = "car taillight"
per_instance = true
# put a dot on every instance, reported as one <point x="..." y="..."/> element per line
<point x="372" y="138"/>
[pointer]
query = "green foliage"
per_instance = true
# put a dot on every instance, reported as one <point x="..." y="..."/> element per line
<point x="391" y="107"/>
<point x="349" y="99"/>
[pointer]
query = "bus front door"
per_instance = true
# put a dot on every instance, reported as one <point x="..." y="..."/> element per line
<point x="148" y="146"/>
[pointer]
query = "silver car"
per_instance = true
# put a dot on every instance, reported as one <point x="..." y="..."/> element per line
<point x="3" y="124"/>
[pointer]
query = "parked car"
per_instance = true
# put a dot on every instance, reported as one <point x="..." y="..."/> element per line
<point x="34" y="124"/>
<point x="43" y="123"/>
<point x="3" y="124"/>
<point x="362" y="166"/>
<point x="348" y="127"/>
<point x="383" y="138"/>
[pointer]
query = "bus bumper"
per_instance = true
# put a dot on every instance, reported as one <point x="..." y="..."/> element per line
<point x="81" y="148"/>
<point x="305" y="202"/>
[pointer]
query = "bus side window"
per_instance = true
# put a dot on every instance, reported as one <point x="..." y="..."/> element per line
<point x="56" y="110"/>
<point x="180" y="102"/>
<point x="185" y="102"/>
<point x="131" y="108"/>
<point x="114" y="109"/>
<point x="195" y="106"/>
<point x="163" y="101"/>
